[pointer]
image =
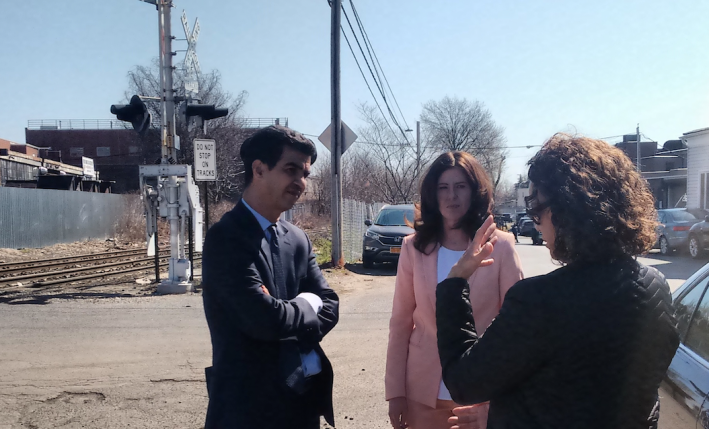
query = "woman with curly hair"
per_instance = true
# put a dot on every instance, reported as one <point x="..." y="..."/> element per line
<point x="456" y="198"/>
<point x="586" y="345"/>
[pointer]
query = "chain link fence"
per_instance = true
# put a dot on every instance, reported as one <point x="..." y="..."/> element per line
<point x="354" y="213"/>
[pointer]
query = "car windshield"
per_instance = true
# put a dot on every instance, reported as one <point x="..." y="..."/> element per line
<point x="680" y="216"/>
<point x="394" y="217"/>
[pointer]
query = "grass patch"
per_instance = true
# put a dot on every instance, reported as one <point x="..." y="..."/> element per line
<point x="323" y="249"/>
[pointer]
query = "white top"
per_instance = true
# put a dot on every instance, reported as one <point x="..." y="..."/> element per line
<point x="446" y="259"/>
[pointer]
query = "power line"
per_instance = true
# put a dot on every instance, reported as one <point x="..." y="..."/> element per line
<point x="366" y="81"/>
<point x="379" y="86"/>
<point x="368" y="43"/>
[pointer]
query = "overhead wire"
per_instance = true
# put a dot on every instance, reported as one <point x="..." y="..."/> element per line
<point x="366" y="81"/>
<point x="375" y="60"/>
<point x="377" y="83"/>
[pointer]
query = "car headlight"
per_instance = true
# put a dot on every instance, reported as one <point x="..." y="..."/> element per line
<point x="372" y="235"/>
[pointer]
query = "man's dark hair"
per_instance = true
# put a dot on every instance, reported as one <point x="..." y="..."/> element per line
<point x="267" y="145"/>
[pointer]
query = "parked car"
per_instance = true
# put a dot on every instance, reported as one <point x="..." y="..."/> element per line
<point x="382" y="240"/>
<point x="673" y="230"/>
<point x="684" y="393"/>
<point x="527" y="229"/>
<point x="698" y="241"/>
<point x="526" y="226"/>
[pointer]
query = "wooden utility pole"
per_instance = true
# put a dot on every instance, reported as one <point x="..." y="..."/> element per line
<point x="338" y="259"/>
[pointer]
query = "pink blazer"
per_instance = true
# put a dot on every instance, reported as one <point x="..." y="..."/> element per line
<point x="413" y="369"/>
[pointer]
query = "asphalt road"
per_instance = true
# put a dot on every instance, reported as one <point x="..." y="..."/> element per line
<point x="138" y="362"/>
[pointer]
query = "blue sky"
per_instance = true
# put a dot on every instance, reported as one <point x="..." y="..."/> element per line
<point x="593" y="67"/>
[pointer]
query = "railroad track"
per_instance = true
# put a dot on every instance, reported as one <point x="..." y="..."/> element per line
<point x="56" y="271"/>
<point x="54" y="262"/>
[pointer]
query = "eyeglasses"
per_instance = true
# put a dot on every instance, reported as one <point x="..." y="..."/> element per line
<point x="535" y="211"/>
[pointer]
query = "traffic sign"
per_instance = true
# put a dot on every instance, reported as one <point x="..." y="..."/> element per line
<point x="191" y="62"/>
<point x="88" y="166"/>
<point x="205" y="160"/>
<point x="326" y="137"/>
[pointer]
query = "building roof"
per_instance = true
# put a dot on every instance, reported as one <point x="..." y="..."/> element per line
<point x="700" y="130"/>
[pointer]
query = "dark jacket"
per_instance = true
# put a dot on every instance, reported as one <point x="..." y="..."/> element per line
<point x="585" y="346"/>
<point x="256" y="379"/>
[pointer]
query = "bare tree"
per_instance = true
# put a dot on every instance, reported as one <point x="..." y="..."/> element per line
<point x="226" y="131"/>
<point x="458" y="124"/>
<point x="386" y="163"/>
<point x="320" y="184"/>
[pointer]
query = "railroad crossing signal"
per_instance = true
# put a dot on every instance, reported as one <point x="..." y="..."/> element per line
<point x="191" y="63"/>
<point x="203" y="112"/>
<point x="136" y="113"/>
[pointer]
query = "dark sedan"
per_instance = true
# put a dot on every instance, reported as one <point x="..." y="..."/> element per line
<point x="382" y="241"/>
<point x="684" y="393"/>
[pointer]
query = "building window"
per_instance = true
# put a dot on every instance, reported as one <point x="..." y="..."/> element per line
<point x="76" y="152"/>
<point x="133" y="150"/>
<point x="704" y="190"/>
<point x="103" y="151"/>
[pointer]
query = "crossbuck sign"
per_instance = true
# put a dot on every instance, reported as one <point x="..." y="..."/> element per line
<point x="205" y="160"/>
<point x="191" y="62"/>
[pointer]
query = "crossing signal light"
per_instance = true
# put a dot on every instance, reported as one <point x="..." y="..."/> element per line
<point x="204" y="111"/>
<point x="136" y="113"/>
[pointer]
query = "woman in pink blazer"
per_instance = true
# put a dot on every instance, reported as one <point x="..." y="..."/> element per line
<point x="456" y="198"/>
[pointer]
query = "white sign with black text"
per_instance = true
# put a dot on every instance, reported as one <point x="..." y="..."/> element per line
<point x="205" y="160"/>
<point x="88" y="165"/>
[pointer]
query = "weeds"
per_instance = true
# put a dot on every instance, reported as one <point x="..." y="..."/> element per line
<point x="322" y="247"/>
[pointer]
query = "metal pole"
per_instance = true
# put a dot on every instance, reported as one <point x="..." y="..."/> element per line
<point x="637" y="144"/>
<point x="157" y="248"/>
<point x="167" y="97"/>
<point x="206" y="207"/>
<point x="338" y="259"/>
<point x="418" y="152"/>
<point x="191" y="246"/>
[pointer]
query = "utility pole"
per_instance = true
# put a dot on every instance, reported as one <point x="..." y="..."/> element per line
<point x="418" y="153"/>
<point x="338" y="259"/>
<point x="168" y="92"/>
<point x="637" y="141"/>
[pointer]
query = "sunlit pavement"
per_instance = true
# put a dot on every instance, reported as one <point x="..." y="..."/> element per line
<point x="677" y="268"/>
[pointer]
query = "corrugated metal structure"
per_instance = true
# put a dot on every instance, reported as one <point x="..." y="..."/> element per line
<point x="42" y="217"/>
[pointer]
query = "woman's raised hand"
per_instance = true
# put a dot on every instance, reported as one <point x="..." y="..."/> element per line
<point x="478" y="252"/>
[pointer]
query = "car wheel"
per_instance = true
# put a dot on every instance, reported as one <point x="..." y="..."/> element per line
<point x="665" y="248"/>
<point x="695" y="248"/>
<point x="367" y="262"/>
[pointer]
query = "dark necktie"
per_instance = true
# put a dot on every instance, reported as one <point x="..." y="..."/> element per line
<point x="278" y="275"/>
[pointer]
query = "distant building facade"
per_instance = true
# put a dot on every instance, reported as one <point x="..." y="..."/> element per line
<point x="116" y="148"/>
<point x="664" y="168"/>
<point x="697" y="143"/>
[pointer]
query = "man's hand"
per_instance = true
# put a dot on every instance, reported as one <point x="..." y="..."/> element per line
<point x="264" y="290"/>
<point x="398" y="413"/>
<point x="470" y="417"/>
<point x="476" y="255"/>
